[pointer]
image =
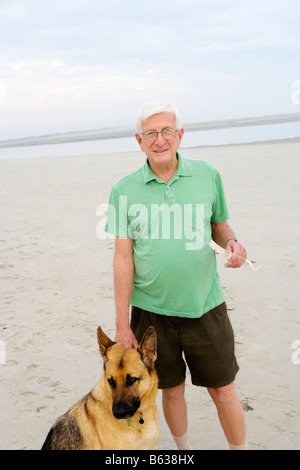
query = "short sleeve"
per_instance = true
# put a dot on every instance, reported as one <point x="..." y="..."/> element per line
<point x="220" y="211"/>
<point x="117" y="214"/>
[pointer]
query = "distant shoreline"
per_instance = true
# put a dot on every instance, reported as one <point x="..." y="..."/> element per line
<point x="116" y="133"/>
<point x="288" y="140"/>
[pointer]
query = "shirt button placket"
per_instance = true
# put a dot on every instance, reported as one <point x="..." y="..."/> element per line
<point x="169" y="194"/>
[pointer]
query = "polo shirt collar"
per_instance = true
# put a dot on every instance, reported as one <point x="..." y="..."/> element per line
<point x="183" y="169"/>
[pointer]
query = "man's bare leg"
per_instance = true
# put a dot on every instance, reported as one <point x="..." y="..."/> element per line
<point x="175" y="412"/>
<point x="229" y="409"/>
<point x="231" y="415"/>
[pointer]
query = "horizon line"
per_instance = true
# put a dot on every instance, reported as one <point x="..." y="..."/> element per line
<point x="123" y="132"/>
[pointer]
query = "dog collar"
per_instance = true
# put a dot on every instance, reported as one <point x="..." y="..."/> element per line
<point x="141" y="420"/>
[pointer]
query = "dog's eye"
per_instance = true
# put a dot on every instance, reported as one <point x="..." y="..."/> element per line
<point x="130" y="380"/>
<point x="111" y="382"/>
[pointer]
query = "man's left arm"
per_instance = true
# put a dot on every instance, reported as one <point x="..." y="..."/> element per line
<point x="224" y="236"/>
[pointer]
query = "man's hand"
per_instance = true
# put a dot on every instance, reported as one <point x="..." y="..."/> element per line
<point x="236" y="249"/>
<point x="125" y="337"/>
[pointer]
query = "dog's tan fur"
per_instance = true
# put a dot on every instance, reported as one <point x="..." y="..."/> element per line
<point x="120" y="411"/>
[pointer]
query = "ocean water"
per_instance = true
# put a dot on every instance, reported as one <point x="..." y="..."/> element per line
<point x="129" y="144"/>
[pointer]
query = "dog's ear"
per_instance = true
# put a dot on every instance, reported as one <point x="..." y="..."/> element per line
<point x="104" y="341"/>
<point x="148" y="346"/>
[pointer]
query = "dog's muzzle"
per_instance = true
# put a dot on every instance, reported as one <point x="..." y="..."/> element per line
<point x="124" y="410"/>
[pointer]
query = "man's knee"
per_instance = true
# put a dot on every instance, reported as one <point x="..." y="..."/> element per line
<point x="174" y="394"/>
<point x="226" y="394"/>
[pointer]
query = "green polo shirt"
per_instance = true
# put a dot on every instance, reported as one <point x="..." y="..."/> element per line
<point x="170" y="224"/>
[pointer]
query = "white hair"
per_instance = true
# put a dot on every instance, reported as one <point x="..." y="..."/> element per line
<point x="156" y="107"/>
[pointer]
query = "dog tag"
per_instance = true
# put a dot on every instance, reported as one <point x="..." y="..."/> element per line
<point x="129" y="422"/>
<point x="141" y="421"/>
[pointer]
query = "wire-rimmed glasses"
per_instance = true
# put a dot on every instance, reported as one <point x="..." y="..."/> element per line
<point x="167" y="134"/>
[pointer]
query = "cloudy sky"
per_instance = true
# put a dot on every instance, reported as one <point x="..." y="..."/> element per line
<point x="88" y="64"/>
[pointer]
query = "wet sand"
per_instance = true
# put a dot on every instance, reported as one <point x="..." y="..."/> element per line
<point x="57" y="286"/>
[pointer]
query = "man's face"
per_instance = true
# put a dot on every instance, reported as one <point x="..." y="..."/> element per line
<point x="160" y="151"/>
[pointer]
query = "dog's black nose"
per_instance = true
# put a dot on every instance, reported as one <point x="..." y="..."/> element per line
<point x="122" y="410"/>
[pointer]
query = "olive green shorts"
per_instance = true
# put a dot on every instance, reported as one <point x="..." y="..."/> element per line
<point x="207" y="344"/>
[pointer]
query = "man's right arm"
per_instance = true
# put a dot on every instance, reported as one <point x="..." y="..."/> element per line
<point x="123" y="284"/>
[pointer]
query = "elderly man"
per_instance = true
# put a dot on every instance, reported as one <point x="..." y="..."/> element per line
<point x="163" y="216"/>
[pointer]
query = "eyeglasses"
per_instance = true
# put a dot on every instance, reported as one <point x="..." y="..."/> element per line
<point x="167" y="134"/>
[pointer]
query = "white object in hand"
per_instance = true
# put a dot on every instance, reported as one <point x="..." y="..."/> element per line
<point x="227" y="254"/>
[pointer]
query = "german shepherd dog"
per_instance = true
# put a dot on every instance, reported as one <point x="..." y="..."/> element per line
<point x="120" y="411"/>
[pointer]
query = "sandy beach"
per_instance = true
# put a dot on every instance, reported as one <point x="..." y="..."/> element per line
<point x="56" y="287"/>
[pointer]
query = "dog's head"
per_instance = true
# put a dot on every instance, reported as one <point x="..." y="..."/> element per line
<point x="129" y="374"/>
